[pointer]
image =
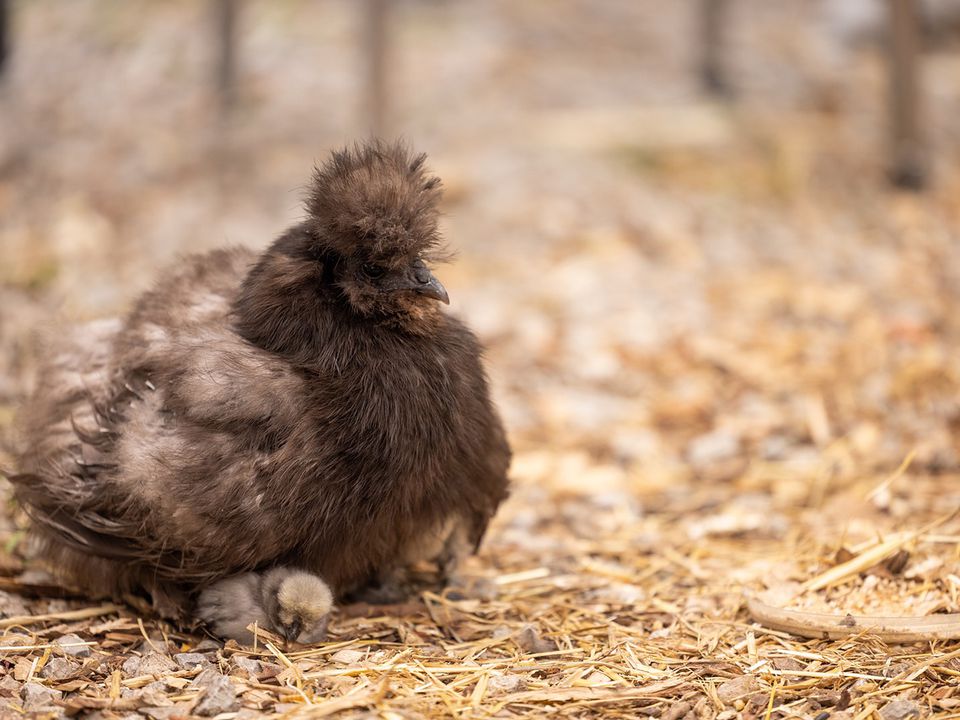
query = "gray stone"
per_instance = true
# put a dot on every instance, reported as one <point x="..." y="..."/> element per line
<point x="156" y="664"/>
<point x="207" y="645"/>
<point x="154" y="645"/>
<point x="348" y="656"/>
<point x="895" y="669"/>
<point x="900" y="710"/>
<point x="219" y="697"/>
<point x="188" y="661"/>
<point x="530" y="641"/>
<point x="504" y="684"/>
<point x="59" y="669"/>
<point x="206" y="678"/>
<point x="249" y="666"/>
<point x="737" y="688"/>
<point x="9" y="687"/>
<point x="36" y="696"/>
<point x="131" y="666"/>
<point x="11" y="605"/>
<point x="72" y="645"/>
<point x="270" y="670"/>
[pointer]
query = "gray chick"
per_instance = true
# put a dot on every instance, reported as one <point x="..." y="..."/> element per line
<point x="290" y="602"/>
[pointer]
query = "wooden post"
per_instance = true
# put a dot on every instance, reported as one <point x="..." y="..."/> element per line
<point x="712" y="18"/>
<point x="4" y="35"/>
<point x="908" y="165"/>
<point x="375" y="55"/>
<point x="225" y="30"/>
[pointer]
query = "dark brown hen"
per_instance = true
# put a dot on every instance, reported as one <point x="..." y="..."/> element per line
<point x="311" y="407"/>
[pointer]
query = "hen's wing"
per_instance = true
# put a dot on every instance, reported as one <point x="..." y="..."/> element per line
<point x="152" y="452"/>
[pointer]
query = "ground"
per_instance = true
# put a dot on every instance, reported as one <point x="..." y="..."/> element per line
<point x="726" y="351"/>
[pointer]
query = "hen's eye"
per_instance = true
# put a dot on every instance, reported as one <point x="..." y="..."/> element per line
<point x="373" y="271"/>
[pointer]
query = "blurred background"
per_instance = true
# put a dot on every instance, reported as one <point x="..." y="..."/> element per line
<point x="710" y="244"/>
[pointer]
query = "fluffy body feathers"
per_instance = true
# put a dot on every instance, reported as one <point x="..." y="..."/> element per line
<point x="308" y="407"/>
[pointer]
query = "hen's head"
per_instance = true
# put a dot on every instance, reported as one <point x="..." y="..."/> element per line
<point x="373" y="213"/>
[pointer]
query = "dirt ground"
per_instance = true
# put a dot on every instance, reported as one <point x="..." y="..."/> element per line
<point x="725" y="350"/>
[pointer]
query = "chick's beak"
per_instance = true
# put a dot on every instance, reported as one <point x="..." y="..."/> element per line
<point x="292" y="631"/>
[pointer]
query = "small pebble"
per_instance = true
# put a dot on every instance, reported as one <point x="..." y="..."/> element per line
<point x="219" y="697"/>
<point x="154" y="645"/>
<point x="73" y="645"/>
<point x="737" y="688"/>
<point x="270" y="670"/>
<point x="36" y="696"/>
<point x="131" y="666"/>
<point x="505" y="684"/>
<point x="248" y="665"/>
<point x="348" y="657"/>
<point x="900" y="710"/>
<point x="156" y="664"/>
<point x="206" y="678"/>
<point x="188" y="661"/>
<point x="9" y="686"/>
<point x="58" y="668"/>
<point x="529" y="640"/>
<point x="207" y="645"/>
<point x="11" y="605"/>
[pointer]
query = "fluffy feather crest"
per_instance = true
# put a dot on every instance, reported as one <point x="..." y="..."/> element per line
<point x="375" y="202"/>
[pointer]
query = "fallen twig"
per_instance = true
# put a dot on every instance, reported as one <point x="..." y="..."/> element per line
<point x="825" y="625"/>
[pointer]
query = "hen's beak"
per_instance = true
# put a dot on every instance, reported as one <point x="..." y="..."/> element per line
<point x="432" y="288"/>
<point x="420" y="280"/>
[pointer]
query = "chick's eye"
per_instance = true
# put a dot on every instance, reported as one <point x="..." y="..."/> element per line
<point x="373" y="271"/>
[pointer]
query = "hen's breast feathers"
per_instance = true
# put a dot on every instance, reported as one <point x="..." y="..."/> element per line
<point x="212" y="442"/>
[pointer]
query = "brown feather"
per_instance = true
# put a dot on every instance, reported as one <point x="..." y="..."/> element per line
<point x="286" y="409"/>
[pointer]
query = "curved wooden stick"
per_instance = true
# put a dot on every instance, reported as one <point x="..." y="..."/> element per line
<point x="828" y="626"/>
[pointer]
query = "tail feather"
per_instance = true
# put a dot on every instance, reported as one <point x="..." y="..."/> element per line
<point x="69" y="529"/>
<point x="89" y="532"/>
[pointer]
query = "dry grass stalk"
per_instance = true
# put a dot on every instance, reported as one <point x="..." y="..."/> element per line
<point x="85" y="613"/>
